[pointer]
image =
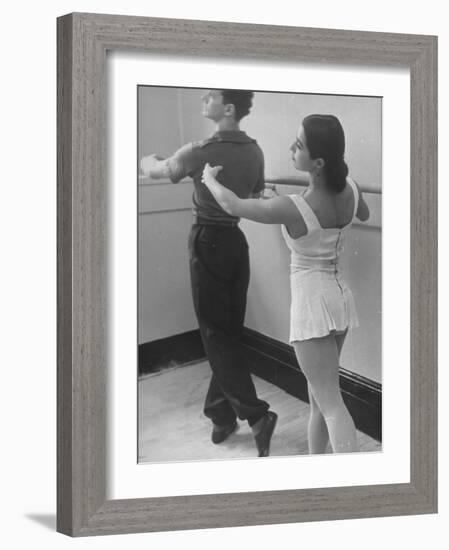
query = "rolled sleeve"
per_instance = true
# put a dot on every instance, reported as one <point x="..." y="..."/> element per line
<point x="183" y="163"/>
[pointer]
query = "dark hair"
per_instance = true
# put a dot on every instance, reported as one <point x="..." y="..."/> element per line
<point x="326" y="139"/>
<point x="241" y="99"/>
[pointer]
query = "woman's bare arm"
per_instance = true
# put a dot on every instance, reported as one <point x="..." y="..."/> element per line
<point x="277" y="210"/>
<point x="362" y="208"/>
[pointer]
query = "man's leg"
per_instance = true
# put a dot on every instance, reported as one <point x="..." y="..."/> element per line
<point x="262" y="425"/>
<point x="217" y="406"/>
<point x="215" y="253"/>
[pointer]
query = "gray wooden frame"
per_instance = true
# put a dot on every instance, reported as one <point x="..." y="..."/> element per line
<point x="83" y="40"/>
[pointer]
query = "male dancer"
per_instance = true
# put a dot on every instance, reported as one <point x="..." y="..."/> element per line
<point x="219" y="261"/>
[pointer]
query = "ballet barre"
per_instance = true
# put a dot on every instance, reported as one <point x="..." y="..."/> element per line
<point x="271" y="182"/>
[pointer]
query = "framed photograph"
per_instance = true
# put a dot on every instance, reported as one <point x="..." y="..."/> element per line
<point x="170" y="397"/>
<point x="134" y="355"/>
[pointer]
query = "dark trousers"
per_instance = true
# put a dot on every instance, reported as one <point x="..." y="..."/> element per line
<point x="219" y="270"/>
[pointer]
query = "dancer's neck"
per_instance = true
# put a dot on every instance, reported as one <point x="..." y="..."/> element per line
<point x="317" y="183"/>
<point x="227" y="125"/>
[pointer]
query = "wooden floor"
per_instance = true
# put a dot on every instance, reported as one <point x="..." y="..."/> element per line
<point x="172" y="426"/>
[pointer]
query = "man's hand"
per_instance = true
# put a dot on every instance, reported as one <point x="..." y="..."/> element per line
<point x="147" y="163"/>
<point x="153" y="166"/>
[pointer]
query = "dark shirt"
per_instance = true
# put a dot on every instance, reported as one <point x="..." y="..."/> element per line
<point x="243" y="169"/>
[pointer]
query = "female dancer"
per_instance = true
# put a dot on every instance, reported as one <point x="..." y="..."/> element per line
<point x="315" y="224"/>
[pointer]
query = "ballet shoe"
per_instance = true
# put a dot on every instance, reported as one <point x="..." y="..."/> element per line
<point x="220" y="433"/>
<point x="264" y="434"/>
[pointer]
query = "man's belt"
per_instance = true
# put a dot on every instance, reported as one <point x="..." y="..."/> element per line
<point x="198" y="220"/>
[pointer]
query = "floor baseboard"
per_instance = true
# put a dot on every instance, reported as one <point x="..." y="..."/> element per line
<point x="276" y="363"/>
<point x="179" y="349"/>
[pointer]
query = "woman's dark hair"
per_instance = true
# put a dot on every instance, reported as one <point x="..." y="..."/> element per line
<point x="326" y="139"/>
<point x="241" y="99"/>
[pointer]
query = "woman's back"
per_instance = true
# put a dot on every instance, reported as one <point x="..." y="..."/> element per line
<point x="333" y="210"/>
<point x="326" y="222"/>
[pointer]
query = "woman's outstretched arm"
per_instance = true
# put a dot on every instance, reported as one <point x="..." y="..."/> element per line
<point x="362" y="208"/>
<point x="278" y="210"/>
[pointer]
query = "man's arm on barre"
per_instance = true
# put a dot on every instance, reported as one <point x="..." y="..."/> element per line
<point x="155" y="167"/>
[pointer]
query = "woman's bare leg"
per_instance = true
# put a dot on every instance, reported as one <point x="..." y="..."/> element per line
<point x="317" y="434"/>
<point x="340" y="340"/>
<point x="319" y="361"/>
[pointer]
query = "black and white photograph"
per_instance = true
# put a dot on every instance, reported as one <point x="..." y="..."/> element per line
<point x="157" y="155"/>
<point x="259" y="274"/>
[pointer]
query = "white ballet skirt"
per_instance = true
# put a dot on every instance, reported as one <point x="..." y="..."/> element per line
<point x="321" y="301"/>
